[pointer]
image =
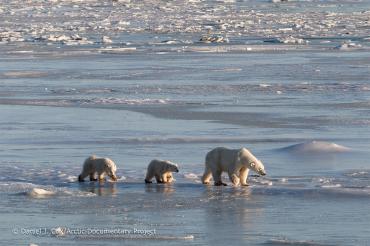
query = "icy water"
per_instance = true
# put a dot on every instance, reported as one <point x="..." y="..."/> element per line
<point x="298" y="100"/>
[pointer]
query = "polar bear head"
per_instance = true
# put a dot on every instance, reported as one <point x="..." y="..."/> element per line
<point x="247" y="159"/>
<point x="171" y="167"/>
<point x="110" y="169"/>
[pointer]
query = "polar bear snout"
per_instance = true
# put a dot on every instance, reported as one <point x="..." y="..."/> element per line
<point x="113" y="177"/>
<point x="260" y="170"/>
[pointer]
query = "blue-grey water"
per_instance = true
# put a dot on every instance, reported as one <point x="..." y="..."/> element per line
<point x="302" y="110"/>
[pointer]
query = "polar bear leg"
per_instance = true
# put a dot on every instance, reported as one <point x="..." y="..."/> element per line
<point x="169" y="177"/>
<point x="243" y="176"/>
<point x="164" y="177"/>
<point x="207" y="175"/>
<point x="148" y="178"/>
<point x="158" y="178"/>
<point x="234" y="178"/>
<point x="82" y="176"/>
<point x="217" y="178"/>
<point x="101" y="176"/>
<point x="92" y="177"/>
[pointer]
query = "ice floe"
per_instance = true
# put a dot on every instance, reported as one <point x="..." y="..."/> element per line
<point x="38" y="192"/>
<point x="71" y="23"/>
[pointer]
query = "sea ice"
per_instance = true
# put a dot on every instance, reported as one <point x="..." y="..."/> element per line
<point x="318" y="147"/>
<point x="38" y="192"/>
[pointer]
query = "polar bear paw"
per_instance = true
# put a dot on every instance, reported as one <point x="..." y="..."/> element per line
<point x="220" y="183"/>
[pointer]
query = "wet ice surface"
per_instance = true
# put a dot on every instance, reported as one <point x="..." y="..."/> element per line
<point x="270" y="211"/>
<point x="138" y="80"/>
<point x="43" y="148"/>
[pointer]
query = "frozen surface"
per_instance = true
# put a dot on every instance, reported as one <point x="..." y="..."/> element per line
<point x="138" y="80"/>
<point x="126" y="26"/>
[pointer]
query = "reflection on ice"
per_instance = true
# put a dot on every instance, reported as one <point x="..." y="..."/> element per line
<point x="99" y="188"/>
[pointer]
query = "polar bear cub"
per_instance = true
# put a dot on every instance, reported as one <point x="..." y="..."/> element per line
<point x="236" y="162"/>
<point x="161" y="170"/>
<point x="98" y="165"/>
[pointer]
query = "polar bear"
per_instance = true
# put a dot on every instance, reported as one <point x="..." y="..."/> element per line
<point x="98" y="165"/>
<point x="161" y="170"/>
<point x="236" y="162"/>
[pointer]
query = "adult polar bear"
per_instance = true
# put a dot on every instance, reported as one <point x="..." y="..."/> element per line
<point x="236" y="162"/>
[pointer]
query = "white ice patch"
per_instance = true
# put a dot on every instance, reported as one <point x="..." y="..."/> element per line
<point x="260" y="181"/>
<point x="52" y="191"/>
<point x="75" y="193"/>
<point x="331" y="186"/>
<point x="283" y="180"/>
<point x="24" y="74"/>
<point x="121" y="179"/>
<point x="40" y="193"/>
<point x="93" y="101"/>
<point x="112" y="100"/>
<point x="292" y="40"/>
<point x="110" y="50"/>
<point x="359" y="174"/>
<point x="70" y="179"/>
<point x="264" y="85"/>
<point x="349" y="45"/>
<point x="192" y="177"/>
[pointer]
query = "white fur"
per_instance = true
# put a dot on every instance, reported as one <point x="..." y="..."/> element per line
<point x="236" y="162"/>
<point x="161" y="170"/>
<point x="98" y="165"/>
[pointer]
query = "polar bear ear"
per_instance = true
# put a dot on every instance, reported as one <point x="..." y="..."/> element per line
<point x="252" y="164"/>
